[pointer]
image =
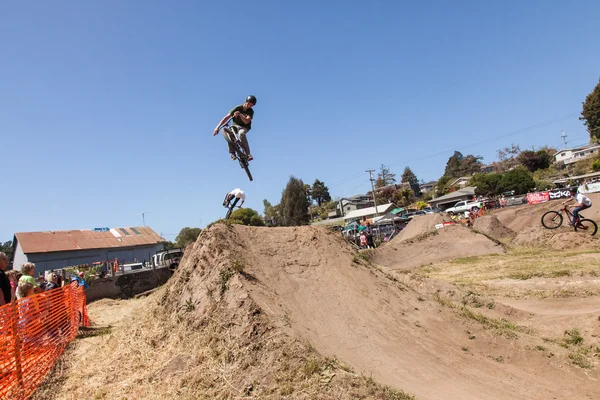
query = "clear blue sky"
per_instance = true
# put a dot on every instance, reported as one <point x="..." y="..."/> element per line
<point x="107" y="108"/>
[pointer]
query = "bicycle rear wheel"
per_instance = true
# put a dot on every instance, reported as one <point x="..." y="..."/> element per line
<point x="588" y="227"/>
<point x="552" y="220"/>
<point x="229" y="210"/>
<point x="244" y="164"/>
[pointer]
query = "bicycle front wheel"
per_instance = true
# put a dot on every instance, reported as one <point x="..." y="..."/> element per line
<point x="229" y="210"/>
<point x="552" y="220"/>
<point x="587" y="226"/>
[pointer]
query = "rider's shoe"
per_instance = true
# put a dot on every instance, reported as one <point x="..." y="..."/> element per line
<point x="250" y="158"/>
<point x="233" y="157"/>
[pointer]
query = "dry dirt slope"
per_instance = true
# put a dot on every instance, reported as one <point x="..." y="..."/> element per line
<point x="307" y="279"/>
<point x="233" y="322"/>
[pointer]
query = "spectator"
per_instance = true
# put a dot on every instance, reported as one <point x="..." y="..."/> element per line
<point x="13" y="277"/>
<point x="363" y="241"/>
<point x="51" y="281"/>
<point x="79" y="279"/>
<point x="41" y="282"/>
<point x="5" y="296"/>
<point x="27" y="270"/>
<point x="370" y="243"/>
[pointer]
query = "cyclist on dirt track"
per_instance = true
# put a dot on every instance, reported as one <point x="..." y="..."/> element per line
<point x="237" y="194"/>
<point x="242" y="119"/>
<point x="581" y="203"/>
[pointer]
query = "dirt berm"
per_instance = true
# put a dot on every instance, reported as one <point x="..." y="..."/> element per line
<point x="422" y="224"/>
<point x="262" y="313"/>
<point x="443" y="244"/>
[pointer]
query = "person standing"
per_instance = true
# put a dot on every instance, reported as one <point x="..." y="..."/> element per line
<point x="6" y="296"/>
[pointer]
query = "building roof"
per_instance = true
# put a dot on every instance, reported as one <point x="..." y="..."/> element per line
<point x="565" y="180"/>
<point x="363" y="212"/>
<point x="104" y="238"/>
<point x="456" y="195"/>
<point x="462" y="178"/>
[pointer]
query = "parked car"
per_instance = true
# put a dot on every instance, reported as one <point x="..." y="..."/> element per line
<point x="463" y="206"/>
<point x="411" y="214"/>
<point x="431" y="210"/>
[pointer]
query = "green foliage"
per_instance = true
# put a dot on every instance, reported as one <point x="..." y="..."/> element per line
<point x="186" y="236"/>
<point x="294" y="203"/>
<point x="409" y="177"/>
<point x="459" y="165"/>
<point x="271" y="213"/>
<point x="519" y="179"/>
<point x="320" y="192"/>
<point x="421" y="205"/>
<point x="596" y="165"/>
<point x="441" y="187"/>
<point x="247" y="216"/>
<point x="544" y="185"/>
<point x="535" y="160"/>
<point x="590" y="114"/>
<point x="385" y="177"/>
<point x="6" y="248"/>
<point x="169" y="245"/>
<point x="487" y="184"/>
<point x="404" y="197"/>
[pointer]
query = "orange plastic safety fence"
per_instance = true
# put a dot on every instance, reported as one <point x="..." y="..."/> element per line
<point x="34" y="331"/>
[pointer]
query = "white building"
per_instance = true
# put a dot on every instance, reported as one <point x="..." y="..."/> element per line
<point x="570" y="156"/>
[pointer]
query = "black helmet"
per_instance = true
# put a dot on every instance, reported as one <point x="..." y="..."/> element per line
<point x="251" y="99"/>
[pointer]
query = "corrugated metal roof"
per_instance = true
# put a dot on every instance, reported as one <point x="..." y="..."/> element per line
<point x="368" y="211"/>
<point x="45" y="242"/>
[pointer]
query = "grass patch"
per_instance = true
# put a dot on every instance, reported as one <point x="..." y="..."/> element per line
<point x="499" y="324"/>
<point x="580" y="358"/>
<point x="573" y="337"/>
<point x="237" y="266"/>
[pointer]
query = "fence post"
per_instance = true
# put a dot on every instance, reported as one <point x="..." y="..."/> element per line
<point x="17" y="344"/>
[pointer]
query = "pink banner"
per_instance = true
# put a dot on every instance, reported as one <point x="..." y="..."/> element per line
<point x="538" y="197"/>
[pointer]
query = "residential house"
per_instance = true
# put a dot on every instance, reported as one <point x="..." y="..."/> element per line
<point x="461" y="182"/>
<point x="369" y="212"/>
<point x="427" y="187"/>
<point x="59" y="249"/>
<point x="570" y="156"/>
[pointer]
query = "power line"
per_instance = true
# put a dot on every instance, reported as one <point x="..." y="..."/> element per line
<point x="505" y="135"/>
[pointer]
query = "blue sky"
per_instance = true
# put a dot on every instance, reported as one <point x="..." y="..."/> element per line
<point x="107" y="108"/>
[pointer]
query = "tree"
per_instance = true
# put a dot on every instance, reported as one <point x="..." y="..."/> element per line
<point x="320" y="192"/>
<point x="247" y="216"/>
<point x="271" y="213"/>
<point x="519" y="179"/>
<point x="590" y="115"/>
<point x="486" y="184"/>
<point x="459" y="165"/>
<point x="385" y="195"/>
<point x="453" y="166"/>
<point x="409" y="177"/>
<point x="535" y="160"/>
<point x="186" y="236"/>
<point x="404" y="197"/>
<point x="6" y="248"/>
<point x="441" y="187"/>
<point x="169" y="245"/>
<point x="384" y="177"/>
<point x="294" y="203"/>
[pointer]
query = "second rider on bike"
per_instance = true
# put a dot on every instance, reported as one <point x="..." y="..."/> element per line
<point x="581" y="203"/>
<point x="242" y="119"/>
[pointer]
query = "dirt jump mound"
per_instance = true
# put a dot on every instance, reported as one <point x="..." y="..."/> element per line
<point x="562" y="238"/>
<point x="491" y="226"/>
<point x="295" y="313"/>
<point x="446" y="243"/>
<point x="421" y="225"/>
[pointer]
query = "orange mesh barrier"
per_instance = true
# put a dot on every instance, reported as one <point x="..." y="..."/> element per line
<point x="34" y="331"/>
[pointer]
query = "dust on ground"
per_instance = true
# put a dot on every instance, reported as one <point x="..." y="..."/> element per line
<point x="296" y="313"/>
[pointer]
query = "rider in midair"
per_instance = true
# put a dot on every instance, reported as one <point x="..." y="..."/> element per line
<point x="236" y="194"/>
<point x="242" y="119"/>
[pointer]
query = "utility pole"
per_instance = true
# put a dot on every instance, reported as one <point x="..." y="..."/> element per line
<point x="370" y="171"/>
<point x="144" y="217"/>
<point x="564" y="138"/>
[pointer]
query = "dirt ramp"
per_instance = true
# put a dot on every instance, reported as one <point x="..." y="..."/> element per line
<point x="421" y="225"/>
<point x="491" y="226"/>
<point x="447" y="243"/>
<point x="558" y="239"/>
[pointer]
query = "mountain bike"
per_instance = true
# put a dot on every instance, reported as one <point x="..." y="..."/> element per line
<point x="231" y="207"/>
<point x="554" y="219"/>
<point x="234" y="139"/>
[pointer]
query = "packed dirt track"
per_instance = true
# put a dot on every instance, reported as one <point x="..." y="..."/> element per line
<point x="296" y="313"/>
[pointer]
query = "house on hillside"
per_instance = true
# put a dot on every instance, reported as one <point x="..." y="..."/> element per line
<point x="461" y="182"/>
<point x="369" y="213"/>
<point x="450" y="199"/>
<point x="427" y="187"/>
<point x="350" y="204"/>
<point x="58" y="249"/>
<point x="570" y="156"/>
